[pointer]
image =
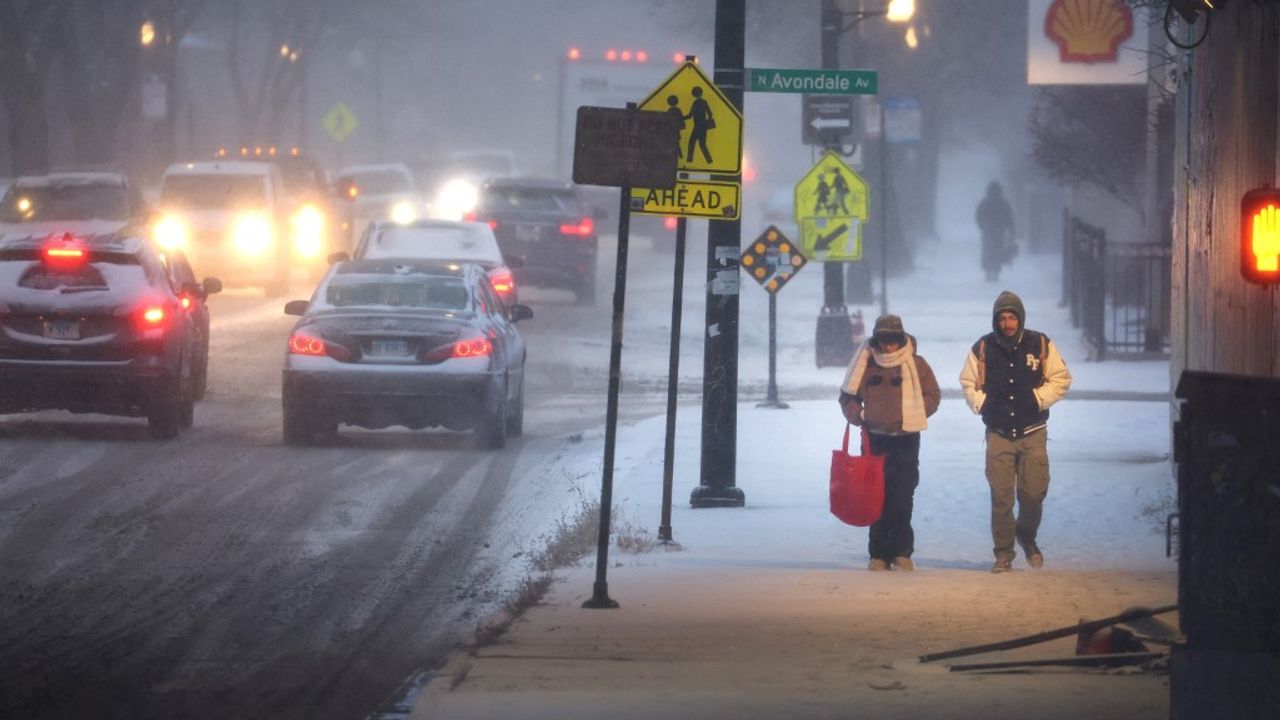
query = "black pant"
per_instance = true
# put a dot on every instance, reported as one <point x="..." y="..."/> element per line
<point x="891" y="535"/>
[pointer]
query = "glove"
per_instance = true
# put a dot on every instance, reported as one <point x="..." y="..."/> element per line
<point x="853" y="412"/>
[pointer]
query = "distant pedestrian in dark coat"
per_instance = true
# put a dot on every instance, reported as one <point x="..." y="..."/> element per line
<point x="889" y="390"/>
<point x="995" y="220"/>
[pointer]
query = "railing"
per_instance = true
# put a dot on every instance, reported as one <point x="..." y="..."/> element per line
<point x="1118" y="294"/>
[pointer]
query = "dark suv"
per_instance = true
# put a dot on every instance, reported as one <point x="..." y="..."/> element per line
<point x="101" y="324"/>
<point x="543" y="226"/>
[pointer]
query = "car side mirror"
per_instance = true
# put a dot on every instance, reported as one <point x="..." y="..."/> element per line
<point x="194" y="290"/>
<point x="521" y="312"/>
<point x="211" y="286"/>
<point x="337" y="257"/>
<point x="599" y="214"/>
<point x="296" y="307"/>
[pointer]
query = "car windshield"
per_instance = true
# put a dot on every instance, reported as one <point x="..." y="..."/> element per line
<point x="213" y="191"/>
<point x="70" y="201"/>
<point x="300" y="173"/>
<point x="382" y="182"/>
<point x="516" y="199"/>
<point x="437" y="243"/>
<point x="426" y="292"/>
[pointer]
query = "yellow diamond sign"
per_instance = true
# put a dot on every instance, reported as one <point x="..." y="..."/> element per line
<point x="339" y="122"/>
<point x="711" y="127"/>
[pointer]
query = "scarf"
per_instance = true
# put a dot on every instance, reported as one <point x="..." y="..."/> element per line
<point x="913" y="416"/>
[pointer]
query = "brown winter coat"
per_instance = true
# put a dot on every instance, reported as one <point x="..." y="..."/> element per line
<point x="878" y="402"/>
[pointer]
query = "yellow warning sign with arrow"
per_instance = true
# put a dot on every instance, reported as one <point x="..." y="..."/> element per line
<point x="711" y="127"/>
<point x="831" y="208"/>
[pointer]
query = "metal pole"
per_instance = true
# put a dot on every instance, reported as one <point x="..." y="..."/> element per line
<point x="884" y="217"/>
<point x="600" y="591"/>
<point x="720" y="358"/>
<point x="771" y="395"/>
<point x="833" y="337"/>
<point x="673" y="381"/>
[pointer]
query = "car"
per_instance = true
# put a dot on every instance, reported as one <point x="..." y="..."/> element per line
<point x="229" y="218"/>
<point x="543" y="228"/>
<point x="395" y="341"/>
<point x="385" y="191"/>
<point x="100" y="324"/>
<point x="453" y="183"/>
<point x="442" y="240"/>
<point x="80" y="203"/>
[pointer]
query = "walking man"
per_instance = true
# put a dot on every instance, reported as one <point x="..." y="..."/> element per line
<point x="995" y="221"/>
<point x="890" y="390"/>
<point x="700" y="114"/>
<point x="1011" y="377"/>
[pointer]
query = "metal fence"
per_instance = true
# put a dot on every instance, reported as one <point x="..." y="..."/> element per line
<point x="1118" y="293"/>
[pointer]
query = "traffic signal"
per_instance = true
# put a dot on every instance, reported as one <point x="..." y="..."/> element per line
<point x="1260" y="236"/>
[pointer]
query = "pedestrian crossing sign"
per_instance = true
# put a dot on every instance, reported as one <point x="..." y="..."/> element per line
<point x="711" y="127"/>
<point x="831" y="208"/>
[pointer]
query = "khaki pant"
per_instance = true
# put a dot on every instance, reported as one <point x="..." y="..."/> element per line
<point x="1016" y="468"/>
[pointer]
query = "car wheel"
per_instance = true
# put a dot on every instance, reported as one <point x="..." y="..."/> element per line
<point x="515" y="421"/>
<point x="297" y="425"/>
<point x="491" y="431"/>
<point x="167" y="414"/>
<point x="201" y="384"/>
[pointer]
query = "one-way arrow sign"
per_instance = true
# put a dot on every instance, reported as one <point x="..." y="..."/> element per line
<point x="828" y="119"/>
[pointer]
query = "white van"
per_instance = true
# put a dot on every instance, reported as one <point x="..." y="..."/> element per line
<point x="229" y="218"/>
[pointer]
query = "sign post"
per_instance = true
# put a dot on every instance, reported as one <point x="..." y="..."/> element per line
<point x="620" y="148"/>
<point x="772" y="260"/>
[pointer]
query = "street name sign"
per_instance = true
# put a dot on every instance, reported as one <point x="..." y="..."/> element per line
<point x="618" y="147"/>
<point x="772" y="259"/>
<point x="704" y="199"/>
<point x="812" y="82"/>
<point x="831" y="205"/>
<point x="710" y="125"/>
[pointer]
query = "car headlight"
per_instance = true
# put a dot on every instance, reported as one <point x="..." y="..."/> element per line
<point x="252" y="234"/>
<point x="170" y="232"/>
<point x="456" y="198"/>
<point x="403" y="212"/>
<point x="308" y="231"/>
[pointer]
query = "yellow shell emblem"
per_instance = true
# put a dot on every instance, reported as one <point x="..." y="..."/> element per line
<point x="1088" y="31"/>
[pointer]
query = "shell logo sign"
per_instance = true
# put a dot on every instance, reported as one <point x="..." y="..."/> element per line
<point x="1088" y="31"/>
<point x="1083" y="42"/>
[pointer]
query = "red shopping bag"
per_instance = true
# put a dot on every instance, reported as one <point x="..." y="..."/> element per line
<point x="857" y="483"/>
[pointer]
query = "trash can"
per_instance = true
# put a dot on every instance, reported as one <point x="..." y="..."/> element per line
<point x="1227" y="450"/>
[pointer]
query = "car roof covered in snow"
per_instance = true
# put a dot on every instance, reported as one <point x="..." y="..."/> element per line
<point x="71" y="178"/>
<point x="226" y="167"/>
<point x="110" y="242"/>
<point x="405" y="266"/>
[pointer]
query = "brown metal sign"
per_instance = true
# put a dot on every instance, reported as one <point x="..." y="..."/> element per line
<point x="619" y="147"/>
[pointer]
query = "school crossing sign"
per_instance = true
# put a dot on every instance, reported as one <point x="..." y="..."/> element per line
<point x="710" y="143"/>
<point x="831" y="208"/>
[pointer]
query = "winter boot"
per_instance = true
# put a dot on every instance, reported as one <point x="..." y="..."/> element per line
<point x="902" y="562"/>
<point x="1002" y="566"/>
<point x="876" y="565"/>
<point x="1035" y="558"/>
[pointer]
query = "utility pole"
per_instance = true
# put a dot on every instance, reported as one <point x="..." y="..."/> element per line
<point x="834" y="335"/>
<point x="718" y="486"/>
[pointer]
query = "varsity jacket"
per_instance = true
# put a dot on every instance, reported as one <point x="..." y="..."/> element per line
<point x="1013" y="387"/>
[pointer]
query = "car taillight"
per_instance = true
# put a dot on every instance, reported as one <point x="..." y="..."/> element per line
<point x="670" y="222"/>
<point x="152" y="320"/>
<point x="583" y="228"/>
<point x="503" y="283"/>
<point x="472" y="217"/>
<point x="301" y="343"/>
<point x="186" y="302"/>
<point x="64" y="251"/>
<point x="468" y="347"/>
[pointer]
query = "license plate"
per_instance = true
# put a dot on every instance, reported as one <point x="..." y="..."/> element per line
<point x="62" y="329"/>
<point x="528" y="233"/>
<point x="390" y="347"/>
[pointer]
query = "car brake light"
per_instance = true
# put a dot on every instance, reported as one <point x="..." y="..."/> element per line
<point x="503" y="283"/>
<point x="468" y="347"/>
<point x="153" y="316"/>
<point x="186" y="302"/>
<point x="64" y="251"/>
<point x="152" y="320"/>
<point x="670" y="222"/>
<point x="301" y="343"/>
<point x="583" y="228"/>
<point x="472" y="217"/>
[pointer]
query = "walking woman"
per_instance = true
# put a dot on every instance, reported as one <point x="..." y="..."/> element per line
<point x="889" y="391"/>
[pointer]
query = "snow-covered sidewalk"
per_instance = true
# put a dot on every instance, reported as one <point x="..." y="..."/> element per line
<point x="767" y="611"/>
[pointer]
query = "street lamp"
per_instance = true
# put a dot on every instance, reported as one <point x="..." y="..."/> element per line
<point x="834" y="334"/>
